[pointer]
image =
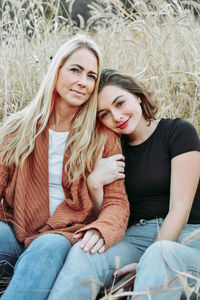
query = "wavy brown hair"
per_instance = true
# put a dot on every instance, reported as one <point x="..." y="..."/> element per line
<point x="131" y="85"/>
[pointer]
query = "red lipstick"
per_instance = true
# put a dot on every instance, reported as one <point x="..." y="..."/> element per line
<point x="123" y="125"/>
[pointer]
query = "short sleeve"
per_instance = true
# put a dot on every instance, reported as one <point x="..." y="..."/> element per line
<point x="183" y="138"/>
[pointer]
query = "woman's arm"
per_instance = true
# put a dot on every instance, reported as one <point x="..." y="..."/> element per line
<point x="112" y="219"/>
<point x="185" y="174"/>
<point x="106" y="170"/>
<point x="4" y="174"/>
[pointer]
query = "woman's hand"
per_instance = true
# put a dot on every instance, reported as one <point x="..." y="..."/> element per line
<point x="125" y="283"/>
<point x="106" y="170"/>
<point x="131" y="268"/>
<point x="92" y="241"/>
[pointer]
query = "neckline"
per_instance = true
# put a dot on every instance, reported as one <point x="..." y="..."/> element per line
<point x="148" y="139"/>
<point x="51" y="131"/>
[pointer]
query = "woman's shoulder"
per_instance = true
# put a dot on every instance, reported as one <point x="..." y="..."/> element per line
<point x="113" y="143"/>
<point x="181" y="136"/>
<point x="178" y="125"/>
<point x="176" y="122"/>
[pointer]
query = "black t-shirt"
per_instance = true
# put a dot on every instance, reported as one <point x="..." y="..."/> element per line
<point x="148" y="169"/>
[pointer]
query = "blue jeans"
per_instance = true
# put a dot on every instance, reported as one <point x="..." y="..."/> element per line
<point x="36" y="268"/>
<point x="51" y="268"/>
<point x="83" y="274"/>
<point x="10" y="250"/>
<point x="166" y="266"/>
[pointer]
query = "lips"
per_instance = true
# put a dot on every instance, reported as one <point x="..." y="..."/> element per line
<point x="78" y="92"/>
<point x="123" y="125"/>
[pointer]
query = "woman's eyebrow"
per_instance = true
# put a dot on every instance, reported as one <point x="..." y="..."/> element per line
<point x="82" y="68"/>
<point x="117" y="98"/>
<point x="99" y="111"/>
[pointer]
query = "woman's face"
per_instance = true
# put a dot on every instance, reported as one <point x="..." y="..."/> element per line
<point x="118" y="110"/>
<point x="77" y="78"/>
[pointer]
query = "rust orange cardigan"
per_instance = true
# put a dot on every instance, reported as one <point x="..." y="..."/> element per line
<point x="24" y="194"/>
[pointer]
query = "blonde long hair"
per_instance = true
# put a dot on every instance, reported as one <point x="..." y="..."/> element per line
<point x="19" y="131"/>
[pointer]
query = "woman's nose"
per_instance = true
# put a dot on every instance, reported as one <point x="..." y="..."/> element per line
<point x="82" y="80"/>
<point x="117" y="116"/>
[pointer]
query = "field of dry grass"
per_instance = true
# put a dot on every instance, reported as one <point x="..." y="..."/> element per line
<point x="158" y="44"/>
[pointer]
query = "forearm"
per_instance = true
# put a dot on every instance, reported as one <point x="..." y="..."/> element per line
<point x="96" y="194"/>
<point x="172" y="225"/>
<point x="185" y="172"/>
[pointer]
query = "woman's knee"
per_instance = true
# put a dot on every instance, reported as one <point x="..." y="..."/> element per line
<point x="160" y="252"/>
<point x="46" y="251"/>
<point x="50" y="243"/>
<point x="82" y="261"/>
<point x="161" y="248"/>
<point x="47" y="248"/>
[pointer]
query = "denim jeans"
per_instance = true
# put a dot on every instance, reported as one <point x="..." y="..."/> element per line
<point x="10" y="250"/>
<point x="51" y="268"/>
<point x="83" y="274"/>
<point x="167" y="266"/>
<point x="36" y="268"/>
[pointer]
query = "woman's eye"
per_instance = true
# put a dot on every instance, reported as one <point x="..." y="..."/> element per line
<point x="120" y="103"/>
<point x="75" y="70"/>
<point x="104" y="115"/>
<point x="92" y="76"/>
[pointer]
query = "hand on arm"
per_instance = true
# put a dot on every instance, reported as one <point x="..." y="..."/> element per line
<point x="106" y="170"/>
<point x="92" y="241"/>
<point x="113" y="216"/>
<point x="185" y="174"/>
<point x="131" y="268"/>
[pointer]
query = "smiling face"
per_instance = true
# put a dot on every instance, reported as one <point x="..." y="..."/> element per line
<point x="77" y="78"/>
<point x="119" y="110"/>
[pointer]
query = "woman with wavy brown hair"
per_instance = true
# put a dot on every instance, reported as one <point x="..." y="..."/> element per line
<point x="162" y="171"/>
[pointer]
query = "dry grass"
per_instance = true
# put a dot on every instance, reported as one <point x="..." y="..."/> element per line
<point x="158" y="45"/>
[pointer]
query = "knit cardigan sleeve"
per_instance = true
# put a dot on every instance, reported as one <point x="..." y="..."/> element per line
<point x="4" y="207"/>
<point x="114" y="213"/>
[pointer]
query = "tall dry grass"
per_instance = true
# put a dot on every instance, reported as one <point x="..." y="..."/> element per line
<point x="157" y="43"/>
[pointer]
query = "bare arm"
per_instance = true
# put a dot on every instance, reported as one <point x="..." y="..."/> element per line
<point x="185" y="174"/>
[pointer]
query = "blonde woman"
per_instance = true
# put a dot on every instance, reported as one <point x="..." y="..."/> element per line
<point x="47" y="151"/>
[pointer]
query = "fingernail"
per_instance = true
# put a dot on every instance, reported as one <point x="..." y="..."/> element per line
<point x="115" y="274"/>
